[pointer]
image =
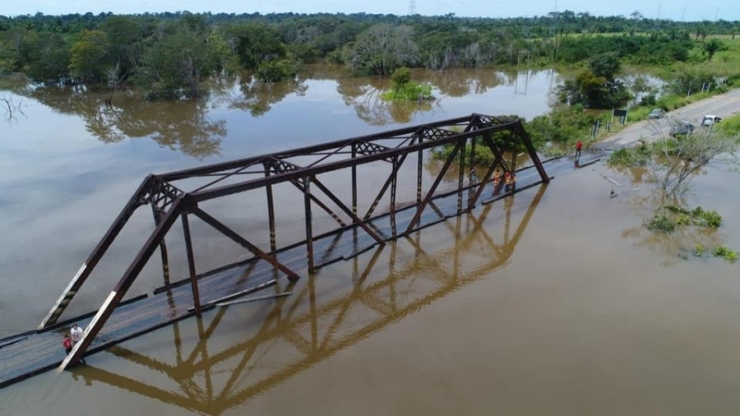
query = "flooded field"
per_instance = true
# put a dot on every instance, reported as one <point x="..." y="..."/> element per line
<point x="556" y="301"/>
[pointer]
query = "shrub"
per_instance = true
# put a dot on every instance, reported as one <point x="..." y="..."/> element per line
<point x="726" y="253"/>
<point x="661" y="223"/>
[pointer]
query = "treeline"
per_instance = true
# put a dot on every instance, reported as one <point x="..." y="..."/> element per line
<point x="163" y="53"/>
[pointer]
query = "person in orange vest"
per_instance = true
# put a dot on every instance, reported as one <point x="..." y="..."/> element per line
<point x="513" y="181"/>
<point x="579" y="145"/>
<point x="507" y="181"/>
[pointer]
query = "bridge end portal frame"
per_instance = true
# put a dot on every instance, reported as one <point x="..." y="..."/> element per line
<point x="171" y="202"/>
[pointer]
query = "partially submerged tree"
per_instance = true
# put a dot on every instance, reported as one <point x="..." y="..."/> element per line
<point x="676" y="159"/>
<point x="383" y="48"/>
<point x="670" y="162"/>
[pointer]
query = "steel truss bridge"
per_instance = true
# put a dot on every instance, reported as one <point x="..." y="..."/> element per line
<point x="180" y="197"/>
<point x="318" y="326"/>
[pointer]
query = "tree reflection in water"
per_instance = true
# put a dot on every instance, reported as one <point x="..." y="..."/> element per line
<point x="182" y="125"/>
<point x="363" y="94"/>
<point x="259" y="97"/>
<point x="185" y="125"/>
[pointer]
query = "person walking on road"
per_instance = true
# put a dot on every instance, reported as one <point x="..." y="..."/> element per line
<point x="579" y="146"/>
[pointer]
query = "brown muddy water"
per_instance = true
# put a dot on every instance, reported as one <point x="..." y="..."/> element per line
<point x="555" y="302"/>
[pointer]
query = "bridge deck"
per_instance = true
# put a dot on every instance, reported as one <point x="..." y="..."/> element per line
<point x="32" y="353"/>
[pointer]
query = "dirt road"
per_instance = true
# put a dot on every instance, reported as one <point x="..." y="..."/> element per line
<point x="723" y="105"/>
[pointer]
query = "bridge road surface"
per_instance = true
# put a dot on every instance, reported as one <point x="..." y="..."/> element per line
<point x="723" y="105"/>
<point x="26" y="355"/>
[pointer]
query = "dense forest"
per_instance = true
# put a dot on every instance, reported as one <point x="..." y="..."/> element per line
<point x="175" y="52"/>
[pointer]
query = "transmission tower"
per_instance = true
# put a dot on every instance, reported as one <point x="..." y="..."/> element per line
<point x="412" y="7"/>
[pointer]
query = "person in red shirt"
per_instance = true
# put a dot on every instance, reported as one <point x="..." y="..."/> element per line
<point x="579" y="145"/>
<point x="67" y="344"/>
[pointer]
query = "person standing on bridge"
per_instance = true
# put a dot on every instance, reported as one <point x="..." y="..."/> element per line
<point x="67" y="344"/>
<point x="76" y="337"/>
<point x="76" y="333"/>
<point x="579" y="145"/>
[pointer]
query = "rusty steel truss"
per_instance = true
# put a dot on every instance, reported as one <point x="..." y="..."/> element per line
<point x="302" y="328"/>
<point x="170" y="203"/>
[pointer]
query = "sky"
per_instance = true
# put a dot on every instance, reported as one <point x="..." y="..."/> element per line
<point x="665" y="9"/>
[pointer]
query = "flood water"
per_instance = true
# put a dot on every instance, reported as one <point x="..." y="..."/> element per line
<point x="554" y="302"/>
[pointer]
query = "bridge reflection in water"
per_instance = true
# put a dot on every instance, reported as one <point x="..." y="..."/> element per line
<point x="388" y="284"/>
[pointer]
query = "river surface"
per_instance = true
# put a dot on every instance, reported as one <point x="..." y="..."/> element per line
<point x="555" y="302"/>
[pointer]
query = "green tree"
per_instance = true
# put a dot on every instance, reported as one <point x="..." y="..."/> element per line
<point x="401" y="76"/>
<point x="605" y="65"/>
<point x="382" y="48"/>
<point x="713" y="46"/>
<point x="178" y="57"/>
<point x="124" y="34"/>
<point x="46" y="57"/>
<point x="86" y="56"/>
<point x="254" y="43"/>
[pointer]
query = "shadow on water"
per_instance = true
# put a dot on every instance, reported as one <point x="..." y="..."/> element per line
<point x="318" y="320"/>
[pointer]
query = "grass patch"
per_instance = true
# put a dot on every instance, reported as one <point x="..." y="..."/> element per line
<point x="639" y="113"/>
<point x="632" y="157"/>
<point x="409" y="91"/>
<point x="729" y="126"/>
<point x="674" y="217"/>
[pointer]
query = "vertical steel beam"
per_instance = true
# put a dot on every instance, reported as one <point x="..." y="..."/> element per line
<point x="191" y="262"/>
<point x="430" y="194"/>
<point x="162" y="247"/>
<point x="394" y="185"/>
<point x="271" y="213"/>
<point x="309" y="225"/>
<point x="473" y="177"/>
<point x="115" y="297"/>
<point x="461" y="177"/>
<point x="87" y="267"/>
<point x="419" y="171"/>
<point x="354" y="180"/>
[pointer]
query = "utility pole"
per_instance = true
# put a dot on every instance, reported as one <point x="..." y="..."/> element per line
<point x="412" y="7"/>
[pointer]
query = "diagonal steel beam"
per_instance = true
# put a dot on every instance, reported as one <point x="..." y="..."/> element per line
<point x="321" y="204"/>
<point x="522" y="133"/>
<point x="228" y="232"/>
<point x="497" y="160"/>
<point x="347" y="211"/>
<point x="430" y="193"/>
<point x="384" y="188"/>
<point x="87" y="267"/>
<point x="115" y="297"/>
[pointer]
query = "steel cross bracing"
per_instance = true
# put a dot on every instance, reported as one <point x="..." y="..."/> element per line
<point x="171" y="201"/>
<point x="243" y="370"/>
